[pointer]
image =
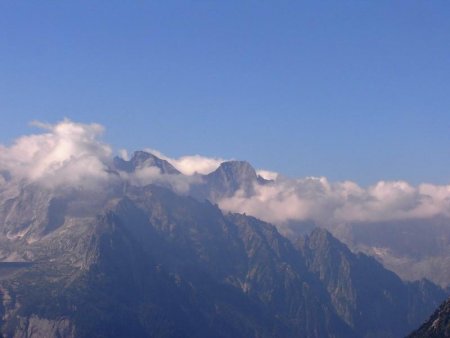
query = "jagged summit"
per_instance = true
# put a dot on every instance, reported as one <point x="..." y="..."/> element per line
<point x="142" y="159"/>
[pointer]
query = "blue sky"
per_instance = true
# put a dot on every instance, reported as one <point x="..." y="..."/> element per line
<point x="354" y="90"/>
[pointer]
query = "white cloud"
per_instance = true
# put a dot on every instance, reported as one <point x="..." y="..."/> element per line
<point x="67" y="153"/>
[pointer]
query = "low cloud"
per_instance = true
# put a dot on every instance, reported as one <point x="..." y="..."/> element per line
<point x="343" y="202"/>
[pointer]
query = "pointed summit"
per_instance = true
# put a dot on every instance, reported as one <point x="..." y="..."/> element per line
<point x="142" y="159"/>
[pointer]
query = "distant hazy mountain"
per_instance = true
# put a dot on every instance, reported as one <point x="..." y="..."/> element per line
<point x="123" y="260"/>
<point x="414" y="249"/>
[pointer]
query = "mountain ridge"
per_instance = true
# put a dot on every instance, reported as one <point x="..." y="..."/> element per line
<point x="176" y="265"/>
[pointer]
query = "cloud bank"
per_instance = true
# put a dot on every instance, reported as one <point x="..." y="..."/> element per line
<point x="343" y="202"/>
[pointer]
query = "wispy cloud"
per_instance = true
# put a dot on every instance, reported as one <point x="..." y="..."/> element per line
<point x="191" y="164"/>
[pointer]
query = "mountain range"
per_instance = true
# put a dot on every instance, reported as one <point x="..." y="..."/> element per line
<point x="163" y="260"/>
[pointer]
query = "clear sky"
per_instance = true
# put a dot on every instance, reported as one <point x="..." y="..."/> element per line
<point x="354" y="90"/>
